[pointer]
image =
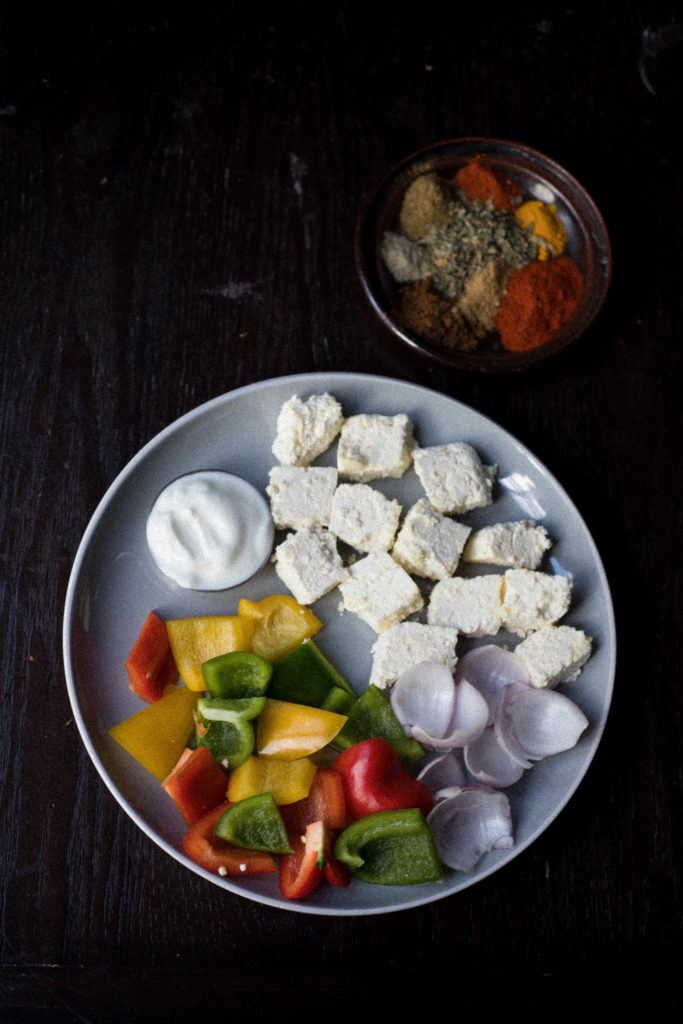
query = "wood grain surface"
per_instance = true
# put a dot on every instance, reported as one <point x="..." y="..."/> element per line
<point x="178" y="199"/>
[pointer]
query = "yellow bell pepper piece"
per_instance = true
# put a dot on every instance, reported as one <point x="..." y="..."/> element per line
<point x="280" y="624"/>
<point x="197" y="639"/>
<point x="157" y="735"/>
<point x="290" y="731"/>
<point x="288" y="781"/>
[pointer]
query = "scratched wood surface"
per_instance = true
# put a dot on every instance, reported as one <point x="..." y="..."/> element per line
<point x="178" y="195"/>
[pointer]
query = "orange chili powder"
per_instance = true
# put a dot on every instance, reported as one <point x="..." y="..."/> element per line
<point x="540" y="299"/>
<point x="479" y="181"/>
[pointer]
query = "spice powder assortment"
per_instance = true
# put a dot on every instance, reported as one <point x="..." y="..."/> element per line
<point x="472" y="257"/>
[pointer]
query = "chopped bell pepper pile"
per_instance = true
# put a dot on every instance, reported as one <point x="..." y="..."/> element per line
<point x="274" y="763"/>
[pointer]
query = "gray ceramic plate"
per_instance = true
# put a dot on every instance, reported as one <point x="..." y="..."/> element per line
<point x="539" y="177"/>
<point x="114" y="584"/>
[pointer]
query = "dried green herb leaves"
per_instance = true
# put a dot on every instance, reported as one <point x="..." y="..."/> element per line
<point x="476" y="234"/>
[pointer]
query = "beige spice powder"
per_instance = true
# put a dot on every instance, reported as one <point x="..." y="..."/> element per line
<point x="428" y="202"/>
<point x="453" y="325"/>
<point x="483" y="295"/>
<point x="430" y="315"/>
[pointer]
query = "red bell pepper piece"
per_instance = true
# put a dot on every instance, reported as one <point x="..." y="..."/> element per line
<point x="325" y="803"/>
<point x="196" y="784"/>
<point x="301" y="871"/>
<point x="375" y="780"/>
<point x="334" y="871"/>
<point x="150" y="665"/>
<point x="214" y="854"/>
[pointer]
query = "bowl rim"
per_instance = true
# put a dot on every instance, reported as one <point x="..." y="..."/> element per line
<point x="365" y="254"/>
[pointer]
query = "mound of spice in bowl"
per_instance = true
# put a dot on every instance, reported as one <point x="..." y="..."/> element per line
<point x="473" y="259"/>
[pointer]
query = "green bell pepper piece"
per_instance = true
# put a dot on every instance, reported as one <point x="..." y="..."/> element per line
<point x="337" y="700"/>
<point x="237" y="674"/>
<point x="372" y="715"/>
<point x="390" y="848"/>
<point x="305" y="676"/>
<point x="254" y="823"/>
<point x="224" y="726"/>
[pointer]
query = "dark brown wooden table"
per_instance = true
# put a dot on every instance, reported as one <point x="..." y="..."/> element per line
<point x="178" y="196"/>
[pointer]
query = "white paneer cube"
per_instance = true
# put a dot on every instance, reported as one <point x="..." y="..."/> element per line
<point x="380" y="592"/>
<point x="301" y="495"/>
<point x="555" y="654"/>
<point x="519" y="545"/>
<point x="453" y="477"/>
<point x="373" y="446"/>
<point x="429" y="544"/>
<point x="472" y="606"/>
<point x="533" y="599"/>
<point x="408" y="644"/>
<point x="309" y="564"/>
<point x="364" y="518"/>
<point x="305" y="429"/>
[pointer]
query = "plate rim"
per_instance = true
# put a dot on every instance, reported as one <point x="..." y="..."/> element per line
<point x="309" y="380"/>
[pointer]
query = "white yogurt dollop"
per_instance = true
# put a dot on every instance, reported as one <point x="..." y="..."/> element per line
<point x="210" y="530"/>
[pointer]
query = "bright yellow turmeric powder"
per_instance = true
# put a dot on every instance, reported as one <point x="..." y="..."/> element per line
<point x="546" y="226"/>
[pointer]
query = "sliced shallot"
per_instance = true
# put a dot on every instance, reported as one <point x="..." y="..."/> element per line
<point x="490" y="669"/>
<point x="434" y="710"/>
<point x="443" y="771"/>
<point x="468" y="721"/>
<point x="490" y="763"/>
<point x="489" y="708"/>
<point x="538" y="723"/>
<point x="469" y="823"/>
<point x="425" y="695"/>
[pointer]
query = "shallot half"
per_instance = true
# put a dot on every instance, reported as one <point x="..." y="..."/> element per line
<point x="443" y="771"/>
<point x="468" y="823"/>
<point x="488" y="762"/>
<point x="534" y="724"/>
<point x="491" y="669"/>
<point x="436" y="711"/>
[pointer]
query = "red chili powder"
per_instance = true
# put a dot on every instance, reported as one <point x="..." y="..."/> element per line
<point x="540" y="299"/>
<point x="479" y="181"/>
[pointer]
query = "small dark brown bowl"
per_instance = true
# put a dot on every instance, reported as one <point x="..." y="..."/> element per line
<point x="588" y="244"/>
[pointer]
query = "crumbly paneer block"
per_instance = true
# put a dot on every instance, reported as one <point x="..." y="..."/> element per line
<point x="555" y="654"/>
<point x="309" y="564"/>
<point x="472" y="606"/>
<point x="519" y="545"/>
<point x="380" y="592"/>
<point x="429" y="544"/>
<point x="533" y="599"/>
<point x="301" y="495"/>
<point x="408" y="644"/>
<point x="364" y="517"/>
<point x="305" y="429"/>
<point x="454" y="477"/>
<point x="373" y="446"/>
